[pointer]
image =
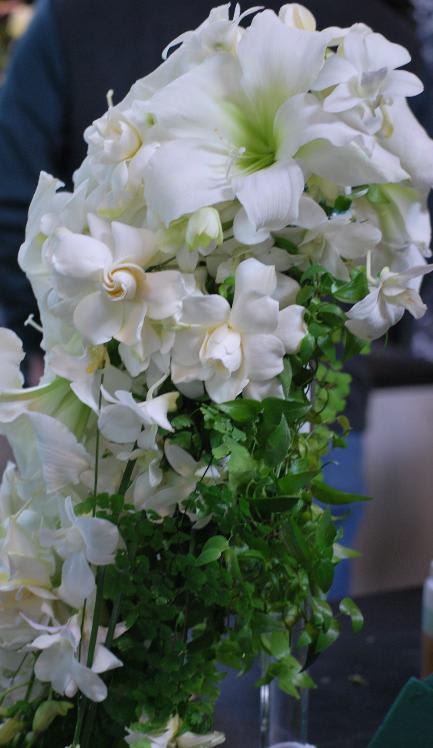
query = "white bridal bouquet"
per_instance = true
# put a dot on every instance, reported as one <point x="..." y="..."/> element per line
<point x="246" y="219"/>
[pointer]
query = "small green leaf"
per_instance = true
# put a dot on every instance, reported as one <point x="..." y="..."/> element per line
<point x="278" y="443"/>
<point x="342" y="204"/>
<point x="212" y="550"/>
<point x="326" y="638"/>
<point x="352" y="291"/>
<point x="307" y="348"/>
<point x="292" y="483"/>
<point x="350" y="608"/>
<point x="276" y="643"/>
<point x="286" y="376"/>
<point x="242" y="410"/>
<point x="334" y="496"/>
<point x="275" y="504"/>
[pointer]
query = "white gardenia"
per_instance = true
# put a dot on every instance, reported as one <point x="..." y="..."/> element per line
<point x="229" y="347"/>
<point x="173" y="277"/>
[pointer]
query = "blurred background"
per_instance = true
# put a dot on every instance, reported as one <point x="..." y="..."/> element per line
<point x="54" y="75"/>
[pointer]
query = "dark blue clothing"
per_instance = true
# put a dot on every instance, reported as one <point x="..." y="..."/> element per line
<point x="31" y="138"/>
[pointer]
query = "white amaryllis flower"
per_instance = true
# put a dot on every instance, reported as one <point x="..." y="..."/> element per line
<point x="59" y="662"/>
<point x="410" y="142"/>
<point x="80" y="541"/>
<point x="229" y="347"/>
<point x="246" y="128"/>
<point x="331" y="241"/>
<point x="122" y="420"/>
<point x="363" y="77"/>
<point x="390" y="295"/>
<point x="105" y="274"/>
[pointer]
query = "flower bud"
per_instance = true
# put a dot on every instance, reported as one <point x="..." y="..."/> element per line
<point x="9" y="729"/>
<point x="297" y="16"/>
<point x="204" y="230"/>
<point x="47" y="712"/>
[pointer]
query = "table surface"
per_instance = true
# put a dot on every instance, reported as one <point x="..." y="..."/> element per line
<point x="358" y="678"/>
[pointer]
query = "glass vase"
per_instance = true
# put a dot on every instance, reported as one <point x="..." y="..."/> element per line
<point x="283" y="719"/>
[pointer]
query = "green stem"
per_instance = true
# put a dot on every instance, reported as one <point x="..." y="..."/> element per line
<point x="82" y="707"/>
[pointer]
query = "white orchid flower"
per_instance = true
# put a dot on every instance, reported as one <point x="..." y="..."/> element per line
<point x="59" y="665"/>
<point x="246" y="128"/>
<point x="331" y="242"/>
<point x="122" y="420"/>
<point x="229" y="347"/>
<point x="161" y="492"/>
<point x="363" y="75"/>
<point x="105" y="273"/>
<point x="390" y="295"/>
<point x="80" y="541"/>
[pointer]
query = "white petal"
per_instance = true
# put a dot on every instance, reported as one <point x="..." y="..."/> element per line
<point x="184" y="176"/>
<point x="89" y="683"/>
<point x="402" y="83"/>
<point x="62" y="457"/>
<point x="78" y="581"/>
<point x="291" y="327"/>
<point x="180" y="460"/>
<point x="119" y="424"/>
<point x="164" y="293"/>
<point x="11" y="355"/>
<point x="335" y="70"/>
<point x="271" y="196"/>
<point x="263" y="355"/>
<point x="101" y="539"/>
<point x="105" y="660"/>
<point x="206" y="311"/>
<point x="132" y="244"/>
<point x="97" y="318"/>
<point x="278" y="61"/>
<point x="351" y="165"/>
<point x="79" y="256"/>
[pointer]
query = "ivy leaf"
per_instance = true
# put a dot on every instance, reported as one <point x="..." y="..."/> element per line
<point x="334" y="496"/>
<point x="275" y="504"/>
<point x="242" y="410"/>
<point x="278" y="443"/>
<point x="212" y="550"/>
<point x="350" y="608"/>
<point x="326" y="638"/>
<point x="307" y="348"/>
<point x="286" y="376"/>
<point x="241" y="465"/>
<point x="276" y="643"/>
<point x="292" y="483"/>
<point x="352" y="291"/>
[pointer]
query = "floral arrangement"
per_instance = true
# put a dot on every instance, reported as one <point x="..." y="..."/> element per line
<point x="248" y="218"/>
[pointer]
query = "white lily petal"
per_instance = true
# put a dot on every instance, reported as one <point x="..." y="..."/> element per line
<point x="291" y="327"/>
<point x="180" y="460"/>
<point x="271" y="196"/>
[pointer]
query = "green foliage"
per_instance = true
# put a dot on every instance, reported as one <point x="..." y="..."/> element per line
<point x="245" y="561"/>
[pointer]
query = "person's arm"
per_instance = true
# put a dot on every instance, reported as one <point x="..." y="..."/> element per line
<point x="32" y="123"/>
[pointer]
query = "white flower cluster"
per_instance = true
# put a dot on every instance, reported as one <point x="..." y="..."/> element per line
<point x="173" y="245"/>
